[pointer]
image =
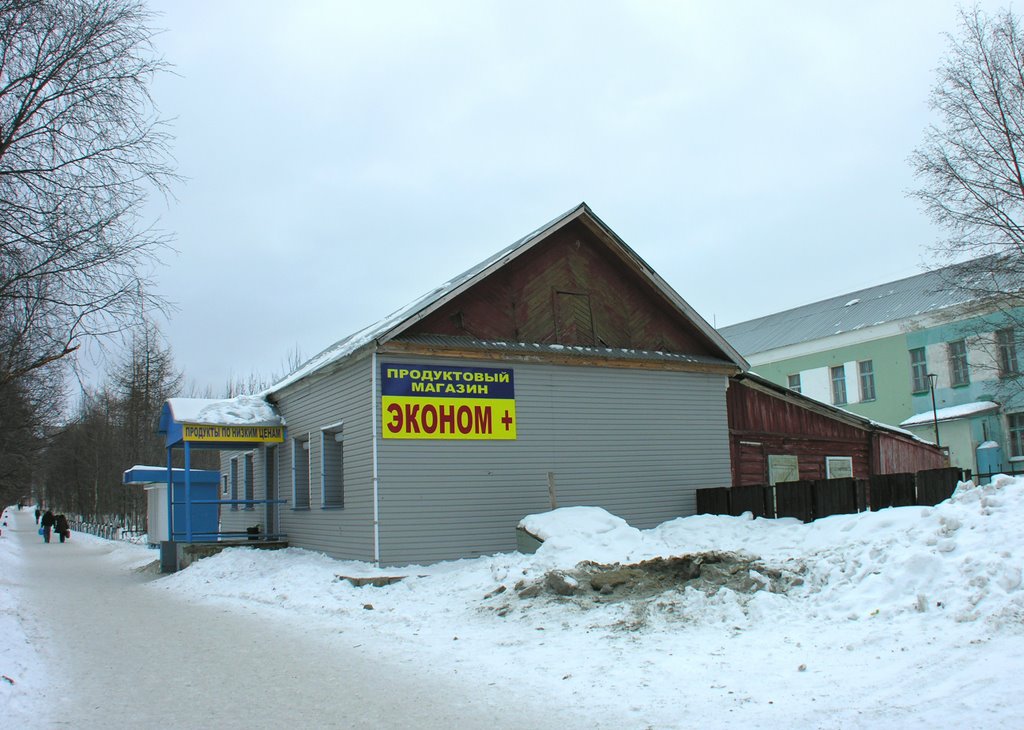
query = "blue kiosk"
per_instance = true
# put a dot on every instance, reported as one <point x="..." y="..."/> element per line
<point x="205" y="515"/>
<point x="193" y="505"/>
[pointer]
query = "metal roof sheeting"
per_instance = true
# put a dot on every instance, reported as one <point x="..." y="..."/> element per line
<point x="397" y="322"/>
<point x="611" y="353"/>
<point x="916" y="296"/>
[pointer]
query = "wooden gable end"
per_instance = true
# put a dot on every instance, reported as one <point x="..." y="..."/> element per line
<point x="570" y="289"/>
<point x="754" y="412"/>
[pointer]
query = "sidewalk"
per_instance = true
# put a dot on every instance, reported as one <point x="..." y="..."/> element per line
<point x="118" y="654"/>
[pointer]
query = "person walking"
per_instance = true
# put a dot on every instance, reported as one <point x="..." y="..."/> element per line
<point x="63" y="528"/>
<point x="37" y="514"/>
<point x="47" y="521"/>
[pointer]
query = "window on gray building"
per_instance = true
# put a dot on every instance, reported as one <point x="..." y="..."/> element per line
<point x="1006" y="343"/>
<point x="918" y="371"/>
<point x="958" y="373"/>
<point x="1016" y="423"/>
<point x="332" y="467"/>
<point x="300" y="473"/>
<point x="233" y="480"/>
<point x="794" y="382"/>
<point x="838" y="385"/>
<point x="249" y="480"/>
<point x="866" y="370"/>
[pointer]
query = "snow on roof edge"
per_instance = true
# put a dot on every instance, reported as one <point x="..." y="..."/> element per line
<point x="242" y="410"/>
<point x="951" y="413"/>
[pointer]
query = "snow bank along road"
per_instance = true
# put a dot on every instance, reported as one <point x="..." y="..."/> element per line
<point x="910" y="617"/>
<point x="114" y="653"/>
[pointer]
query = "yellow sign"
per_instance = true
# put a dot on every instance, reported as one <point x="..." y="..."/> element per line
<point x="409" y="417"/>
<point x="447" y="402"/>
<point x="201" y="432"/>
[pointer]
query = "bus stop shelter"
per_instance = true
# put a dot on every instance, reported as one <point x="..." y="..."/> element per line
<point x="236" y="424"/>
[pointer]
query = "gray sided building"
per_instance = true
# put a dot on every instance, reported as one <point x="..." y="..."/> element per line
<point x="562" y="368"/>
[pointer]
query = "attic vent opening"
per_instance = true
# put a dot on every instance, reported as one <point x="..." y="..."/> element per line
<point x="574" y="321"/>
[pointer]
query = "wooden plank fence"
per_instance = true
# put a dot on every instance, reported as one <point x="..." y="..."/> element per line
<point x="811" y="500"/>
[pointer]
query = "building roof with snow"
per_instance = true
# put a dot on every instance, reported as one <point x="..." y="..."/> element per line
<point x="404" y="319"/>
<point x="951" y="413"/>
<point x="930" y="293"/>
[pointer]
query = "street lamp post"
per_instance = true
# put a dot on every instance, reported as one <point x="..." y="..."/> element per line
<point x="932" y="377"/>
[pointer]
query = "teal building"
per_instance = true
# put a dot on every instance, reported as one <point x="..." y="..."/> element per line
<point x="914" y="353"/>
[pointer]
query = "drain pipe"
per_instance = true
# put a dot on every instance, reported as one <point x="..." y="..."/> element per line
<point x="376" y="478"/>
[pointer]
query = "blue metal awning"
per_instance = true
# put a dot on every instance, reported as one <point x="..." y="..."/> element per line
<point x="158" y="475"/>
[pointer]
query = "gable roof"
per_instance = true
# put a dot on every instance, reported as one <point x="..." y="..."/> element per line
<point x="401" y="320"/>
<point x="915" y="296"/>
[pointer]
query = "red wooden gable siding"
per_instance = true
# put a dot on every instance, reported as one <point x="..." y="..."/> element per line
<point x="754" y="411"/>
<point x="895" y="454"/>
<point x="569" y="289"/>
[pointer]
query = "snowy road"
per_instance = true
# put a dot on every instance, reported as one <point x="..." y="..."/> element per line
<point x="120" y="654"/>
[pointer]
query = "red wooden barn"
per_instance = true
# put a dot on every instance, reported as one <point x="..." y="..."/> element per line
<point x="778" y="435"/>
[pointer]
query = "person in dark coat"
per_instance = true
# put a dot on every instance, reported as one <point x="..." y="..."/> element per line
<point x="63" y="528"/>
<point x="37" y="515"/>
<point x="47" y="521"/>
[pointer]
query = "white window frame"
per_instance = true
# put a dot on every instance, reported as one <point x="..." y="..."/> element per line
<point x="1006" y="346"/>
<point x="866" y="376"/>
<point x="778" y="462"/>
<point x="795" y="388"/>
<point x="919" y="382"/>
<point x="1015" y="435"/>
<point x="838" y="385"/>
<point x="332" y="437"/>
<point x="959" y="368"/>
<point x="838" y="467"/>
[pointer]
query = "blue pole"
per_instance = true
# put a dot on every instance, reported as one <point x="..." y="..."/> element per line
<point x="170" y="496"/>
<point x="188" y="492"/>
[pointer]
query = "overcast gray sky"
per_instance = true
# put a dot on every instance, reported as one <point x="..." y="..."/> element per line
<point x="343" y="158"/>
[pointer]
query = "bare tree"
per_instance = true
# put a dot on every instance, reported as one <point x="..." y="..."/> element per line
<point x="971" y="171"/>
<point x="114" y="429"/>
<point x="81" y="147"/>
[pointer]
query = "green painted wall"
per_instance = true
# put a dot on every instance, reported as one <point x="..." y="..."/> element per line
<point x="891" y="359"/>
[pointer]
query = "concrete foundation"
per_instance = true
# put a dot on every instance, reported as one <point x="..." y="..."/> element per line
<point x="175" y="556"/>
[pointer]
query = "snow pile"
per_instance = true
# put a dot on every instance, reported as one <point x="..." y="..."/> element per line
<point x="241" y="410"/>
<point x="18" y="659"/>
<point x="573" y="534"/>
<point x="962" y="560"/>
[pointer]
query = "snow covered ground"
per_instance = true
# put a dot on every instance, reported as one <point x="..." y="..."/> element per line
<point x="908" y="617"/>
